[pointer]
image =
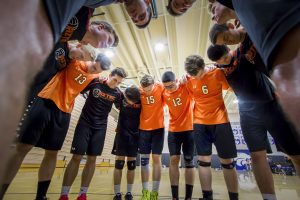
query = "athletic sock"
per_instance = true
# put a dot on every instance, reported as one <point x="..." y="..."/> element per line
<point x="188" y="191"/>
<point x="233" y="196"/>
<point x="42" y="189"/>
<point x="174" y="191"/>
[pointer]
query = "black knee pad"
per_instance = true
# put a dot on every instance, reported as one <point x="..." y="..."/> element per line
<point x="131" y="165"/>
<point x="144" y="161"/>
<point x="188" y="161"/>
<point x="228" y="166"/>
<point x="203" y="164"/>
<point x="119" y="164"/>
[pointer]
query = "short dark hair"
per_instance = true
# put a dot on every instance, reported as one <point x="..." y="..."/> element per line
<point x="104" y="61"/>
<point x="149" y="19"/>
<point x="215" y="30"/>
<point x="133" y="93"/>
<point x="193" y="64"/>
<point x="168" y="76"/>
<point x="119" y="71"/>
<point x="109" y="28"/>
<point x="146" y="80"/>
<point x="171" y="11"/>
<point x="215" y="52"/>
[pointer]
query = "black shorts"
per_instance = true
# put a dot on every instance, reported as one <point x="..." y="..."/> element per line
<point x="184" y="139"/>
<point x="264" y="118"/>
<point x="151" y="141"/>
<point x="60" y="13"/>
<point x="266" y="31"/>
<point x="219" y="134"/>
<point x="126" y="144"/>
<point x="87" y="140"/>
<point x="44" y="125"/>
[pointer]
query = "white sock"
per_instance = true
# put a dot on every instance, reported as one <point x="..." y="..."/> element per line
<point x="155" y="186"/>
<point x="117" y="189"/>
<point x="83" y="190"/>
<point x="145" y="185"/>
<point x="269" y="196"/>
<point x="65" y="190"/>
<point x="129" y="187"/>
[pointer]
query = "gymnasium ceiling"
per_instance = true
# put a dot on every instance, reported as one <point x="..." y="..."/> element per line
<point x="179" y="37"/>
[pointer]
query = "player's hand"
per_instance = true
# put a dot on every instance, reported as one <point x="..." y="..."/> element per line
<point x="184" y="79"/>
<point x="211" y="67"/>
<point x="102" y="79"/>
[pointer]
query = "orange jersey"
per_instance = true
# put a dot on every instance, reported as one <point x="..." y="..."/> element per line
<point x="152" y="113"/>
<point x="64" y="87"/>
<point x="209" y="104"/>
<point x="180" y="109"/>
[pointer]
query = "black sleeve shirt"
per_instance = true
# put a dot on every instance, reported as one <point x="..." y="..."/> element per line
<point x="99" y="103"/>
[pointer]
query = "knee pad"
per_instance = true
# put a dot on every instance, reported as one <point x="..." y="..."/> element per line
<point x="188" y="161"/>
<point x="119" y="164"/>
<point x="228" y="166"/>
<point x="131" y="165"/>
<point x="203" y="164"/>
<point x="144" y="161"/>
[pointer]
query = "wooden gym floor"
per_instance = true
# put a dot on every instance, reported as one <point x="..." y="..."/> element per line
<point x="24" y="186"/>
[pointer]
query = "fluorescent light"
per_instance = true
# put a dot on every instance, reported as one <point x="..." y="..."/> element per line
<point x="109" y="53"/>
<point x="159" y="47"/>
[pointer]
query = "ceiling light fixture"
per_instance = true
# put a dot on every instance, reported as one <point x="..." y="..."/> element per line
<point x="159" y="47"/>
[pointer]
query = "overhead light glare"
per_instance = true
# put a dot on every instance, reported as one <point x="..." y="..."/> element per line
<point x="159" y="47"/>
<point x="109" y="53"/>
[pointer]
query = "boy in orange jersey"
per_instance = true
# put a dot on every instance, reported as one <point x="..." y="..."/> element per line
<point x="151" y="134"/>
<point x="211" y="124"/>
<point x="177" y="98"/>
<point x="46" y="121"/>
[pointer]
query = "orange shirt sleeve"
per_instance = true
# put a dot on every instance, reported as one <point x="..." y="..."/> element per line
<point x="222" y="79"/>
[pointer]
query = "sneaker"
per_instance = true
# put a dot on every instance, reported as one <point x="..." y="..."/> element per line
<point x="82" y="197"/>
<point x="128" y="196"/>
<point x="118" y="196"/>
<point x="146" y="195"/>
<point x="63" y="197"/>
<point x="154" y="195"/>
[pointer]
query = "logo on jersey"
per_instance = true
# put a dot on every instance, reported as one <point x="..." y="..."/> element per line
<point x="97" y="93"/>
<point x="60" y="55"/>
<point x="250" y="55"/>
<point x="68" y="32"/>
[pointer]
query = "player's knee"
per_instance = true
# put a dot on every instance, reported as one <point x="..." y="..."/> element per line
<point x="228" y="166"/>
<point x="76" y="158"/>
<point x="119" y="164"/>
<point x="189" y="162"/>
<point x="131" y="165"/>
<point x="203" y="163"/>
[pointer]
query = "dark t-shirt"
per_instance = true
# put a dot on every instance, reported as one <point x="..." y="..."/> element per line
<point x="266" y="22"/>
<point x="58" y="59"/>
<point x="227" y="3"/>
<point x="129" y="118"/>
<point x="78" y="25"/>
<point x="99" y="103"/>
<point x="251" y="86"/>
<point x="98" y="3"/>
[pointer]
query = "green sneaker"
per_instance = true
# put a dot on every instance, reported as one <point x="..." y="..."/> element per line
<point x="154" y="195"/>
<point x="146" y="195"/>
